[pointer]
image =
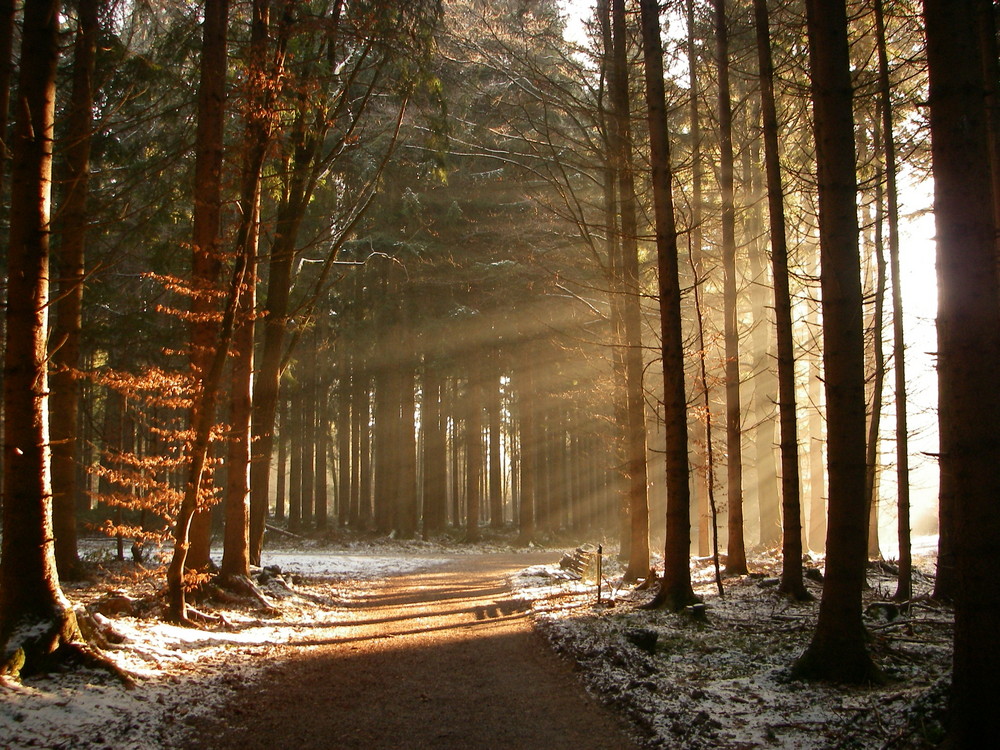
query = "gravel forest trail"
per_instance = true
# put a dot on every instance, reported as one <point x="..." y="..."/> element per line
<point x="443" y="658"/>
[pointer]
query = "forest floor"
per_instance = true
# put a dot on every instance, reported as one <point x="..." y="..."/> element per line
<point x="392" y="644"/>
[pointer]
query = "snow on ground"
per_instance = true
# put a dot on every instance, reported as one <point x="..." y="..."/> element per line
<point x="183" y="673"/>
<point x="721" y="683"/>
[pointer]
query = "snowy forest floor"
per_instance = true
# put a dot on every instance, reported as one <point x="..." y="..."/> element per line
<point x="718" y="683"/>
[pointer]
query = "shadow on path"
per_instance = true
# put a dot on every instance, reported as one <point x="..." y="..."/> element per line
<point x="442" y="659"/>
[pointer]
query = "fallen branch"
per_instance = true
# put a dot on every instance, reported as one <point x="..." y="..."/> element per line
<point x="269" y="527"/>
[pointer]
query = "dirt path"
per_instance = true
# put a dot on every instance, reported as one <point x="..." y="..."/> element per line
<point x="442" y="659"/>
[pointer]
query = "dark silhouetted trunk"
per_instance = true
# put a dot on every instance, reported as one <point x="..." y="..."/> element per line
<point x="837" y="651"/>
<point x="905" y="581"/>
<point x="675" y="591"/>
<point x="736" y="559"/>
<point x="968" y="325"/>
<point x="638" y="505"/>
<point x="35" y="618"/>
<point x="791" y="544"/>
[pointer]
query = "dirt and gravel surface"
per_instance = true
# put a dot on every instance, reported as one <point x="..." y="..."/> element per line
<point x="442" y="658"/>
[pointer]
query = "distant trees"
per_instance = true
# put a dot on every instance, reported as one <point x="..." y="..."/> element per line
<point x="470" y="309"/>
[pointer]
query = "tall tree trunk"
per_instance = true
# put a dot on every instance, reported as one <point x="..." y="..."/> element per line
<point x="435" y="458"/>
<point x="6" y="72"/>
<point x="295" y="397"/>
<point x="675" y="591"/>
<point x="968" y="326"/>
<point x="736" y="559"/>
<point x="837" y="651"/>
<point x="281" y="489"/>
<point x="493" y="406"/>
<point x="525" y="388"/>
<point x="408" y="511"/>
<point x="765" y="381"/>
<point x="206" y="263"/>
<point x="291" y="211"/>
<point x="638" y="504"/>
<point x="345" y="464"/>
<point x="258" y="122"/>
<point x="791" y="540"/>
<point x="36" y="620"/>
<point x="308" y="385"/>
<point x="65" y="393"/>
<point x="616" y="290"/>
<point x="817" y="444"/>
<point x="703" y="491"/>
<point x="905" y="580"/>
<point x="473" y="450"/>
<point x="878" y="362"/>
<point x="209" y="341"/>
<point x="364" y="499"/>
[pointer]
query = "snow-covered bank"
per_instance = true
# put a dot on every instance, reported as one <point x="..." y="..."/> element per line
<point x="184" y="673"/>
<point x="722" y="683"/>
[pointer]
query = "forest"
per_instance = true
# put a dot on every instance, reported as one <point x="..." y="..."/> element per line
<point x="698" y="281"/>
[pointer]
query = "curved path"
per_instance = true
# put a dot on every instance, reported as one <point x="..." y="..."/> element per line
<point x="443" y="658"/>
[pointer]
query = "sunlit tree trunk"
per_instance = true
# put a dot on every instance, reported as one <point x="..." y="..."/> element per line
<point x="675" y="591"/>
<point x="616" y="293"/>
<point x="281" y="482"/>
<point x="638" y="562"/>
<point x="791" y="544"/>
<point x="878" y="364"/>
<point x="345" y="461"/>
<point x="968" y="325"/>
<point x="295" y="456"/>
<point x="525" y="389"/>
<point x="307" y="373"/>
<point x="206" y="255"/>
<point x="258" y="121"/>
<point x="435" y="458"/>
<point x="321" y="436"/>
<point x="36" y="620"/>
<point x="817" y="444"/>
<point x="65" y="336"/>
<point x="493" y="406"/>
<point x="473" y="450"/>
<point x="837" y="650"/>
<point x="209" y="341"/>
<point x="703" y="489"/>
<point x="407" y="514"/>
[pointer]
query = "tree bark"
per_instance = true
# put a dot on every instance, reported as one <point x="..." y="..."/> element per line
<point x="905" y="580"/>
<point x="635" y="460"/>
<point x="206" y="261"/>
<point x="65" y="392"/>
<point x="675" y="591"/>
<point x="791" y="544"/>
<point x="493" y="403"/>
<point x="525" y="389"/>
<point x="473" y="451"/>
<point x="968" y="325"/>
<point x="837" y="651"/>
<point x="36" y="620"/>
<point x="736" y="559"/>
<point x="435" y="485"/>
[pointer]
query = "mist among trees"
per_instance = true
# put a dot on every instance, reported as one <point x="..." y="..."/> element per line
<point x="442" y="269"/>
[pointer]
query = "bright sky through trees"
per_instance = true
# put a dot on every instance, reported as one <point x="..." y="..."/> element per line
<point x="919" y="285"/>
